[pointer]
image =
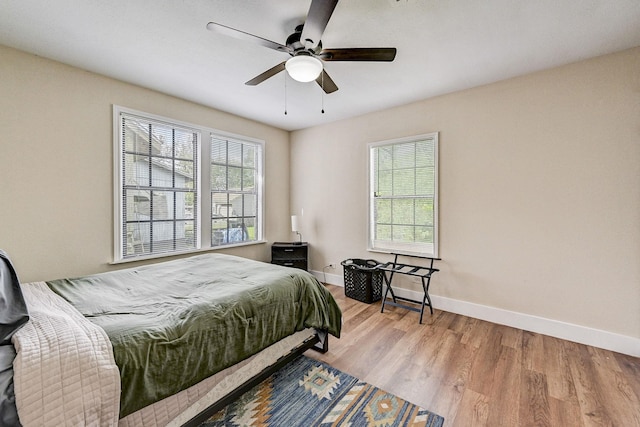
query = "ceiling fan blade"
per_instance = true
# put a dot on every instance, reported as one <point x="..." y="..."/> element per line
<point x="385" y="54"/>
<point x="317" y="19"/>
<point x="326" y="83"/>
<point x="264" y="76"/>
<point x="241" y="35"/>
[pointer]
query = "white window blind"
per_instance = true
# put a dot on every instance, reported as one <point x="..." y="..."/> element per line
<point x="175" y="194"/>
<point x="235" y="191"/>
<point x="159" y="179"/>
<point x="404" y="196"/>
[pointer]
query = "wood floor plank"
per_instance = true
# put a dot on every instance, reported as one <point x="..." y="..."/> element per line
<point x="404" y="359"/>
<point x="473" y="412"/>
<point x="614" y="384"/>
<point x="504" y="395"/>
<point x="511" y="337"/>
<point x="418" y="376"/>
<point x="556" y="366"/>
<point x="483" y="368"/>
<point x="476" y="373"/>
<point x="631" y="369"/>
<point x="590" y="397"/>
<point x="478" y="335"/>
<point x="565" y="413"/>
<point x="533" y="353"/>
<point x="435" y="370"/>
<point x="454" y="379"/>
<point x="534" y="400"/>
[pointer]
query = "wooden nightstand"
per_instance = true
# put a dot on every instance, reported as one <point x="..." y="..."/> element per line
<point x="290" y="254"/>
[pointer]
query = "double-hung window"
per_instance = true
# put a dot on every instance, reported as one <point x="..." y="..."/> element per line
<point x="403" y="201"/>
<point x="235" y="180"/>
<point x="164" y="170"/>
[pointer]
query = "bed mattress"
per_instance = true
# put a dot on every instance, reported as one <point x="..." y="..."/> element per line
<point x="159" y="329"/>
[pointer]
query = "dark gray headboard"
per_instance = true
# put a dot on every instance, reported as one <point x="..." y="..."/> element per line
<point x="13" y="310"/>
<point x="13" y="314"/>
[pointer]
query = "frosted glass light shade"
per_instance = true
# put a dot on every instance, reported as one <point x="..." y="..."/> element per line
<point x="294" y="223"/>
<point x="304" y="68"/>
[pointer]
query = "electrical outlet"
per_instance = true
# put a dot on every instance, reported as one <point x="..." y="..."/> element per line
<point x="332" y="265"/>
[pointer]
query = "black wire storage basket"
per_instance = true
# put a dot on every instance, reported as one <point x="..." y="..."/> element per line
<point x="362" y="280"/>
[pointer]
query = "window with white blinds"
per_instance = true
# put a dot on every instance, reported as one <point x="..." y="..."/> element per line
<point x="403" y="186"/>
<point x="168" y="182"/>
<point x="235" y="197"/>
<point x="159" y="186"/>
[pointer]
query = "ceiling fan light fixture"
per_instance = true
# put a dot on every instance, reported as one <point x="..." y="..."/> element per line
<point x="304" y="68"/>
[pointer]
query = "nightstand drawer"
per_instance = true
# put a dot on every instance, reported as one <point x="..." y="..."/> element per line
<point x="290" y="254"/>
<point x="299" y="252"/>
<point x="302" y="264"/>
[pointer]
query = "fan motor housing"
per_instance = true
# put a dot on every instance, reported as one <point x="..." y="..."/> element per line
<point x="293" y="41"/>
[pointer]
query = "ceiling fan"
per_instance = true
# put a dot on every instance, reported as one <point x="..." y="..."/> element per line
<point x="305" y="48"/>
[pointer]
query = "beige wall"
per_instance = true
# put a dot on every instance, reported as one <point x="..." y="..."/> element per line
<point x="539" y="178"/>
<point x="539" y="191"/>
<point x="56" y="161"/>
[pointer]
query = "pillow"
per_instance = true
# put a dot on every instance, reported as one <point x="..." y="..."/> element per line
<point x="8" y="411"/>
<point x="13" y="310"/>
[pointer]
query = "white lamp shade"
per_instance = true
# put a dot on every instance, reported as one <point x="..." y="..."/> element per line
<point x="304" y="68"/>
<point x="294" y="223"/>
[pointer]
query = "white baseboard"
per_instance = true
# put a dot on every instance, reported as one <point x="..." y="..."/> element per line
<point x="555" y="328"/>
<point x="330" y="278"/>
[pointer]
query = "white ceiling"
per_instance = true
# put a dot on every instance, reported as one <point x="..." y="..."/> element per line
<point x="443" y="46"/>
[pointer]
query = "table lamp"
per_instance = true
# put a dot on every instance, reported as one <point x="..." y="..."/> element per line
<point x="295" y="229"/>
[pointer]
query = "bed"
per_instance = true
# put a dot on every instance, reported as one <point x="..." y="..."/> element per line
<point x="162" y="344"/>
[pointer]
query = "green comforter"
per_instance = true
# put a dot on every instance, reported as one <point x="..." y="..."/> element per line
<point x="175" y="323"/>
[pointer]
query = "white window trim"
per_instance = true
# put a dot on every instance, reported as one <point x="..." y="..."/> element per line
<point x="203" y="186"/>
<point x="371" y="201"/>
<point x="259" y="184"/>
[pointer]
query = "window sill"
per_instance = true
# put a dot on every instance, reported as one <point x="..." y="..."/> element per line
<point x="191" y="252"/>
<point x="405" y="253"/>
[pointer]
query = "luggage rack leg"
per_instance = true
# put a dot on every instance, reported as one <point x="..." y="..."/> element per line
<point x="387" y="280"/>
<point x="425" y="289"/>
<point x="420" y="310"/>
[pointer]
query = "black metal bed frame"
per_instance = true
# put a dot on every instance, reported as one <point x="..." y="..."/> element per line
<point x="319" y="342"/>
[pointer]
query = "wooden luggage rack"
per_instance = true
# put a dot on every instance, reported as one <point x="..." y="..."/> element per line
<point x="394" y="267"/>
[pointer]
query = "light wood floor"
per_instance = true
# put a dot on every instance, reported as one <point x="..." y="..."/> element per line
<point x="476" y="373"/>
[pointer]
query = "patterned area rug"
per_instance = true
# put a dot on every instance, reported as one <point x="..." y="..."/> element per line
<point x="310" y="393"/>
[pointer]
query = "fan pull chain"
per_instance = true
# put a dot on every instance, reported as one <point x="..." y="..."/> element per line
<point x="322" y="86"/>
<point x="285" y="93"/>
